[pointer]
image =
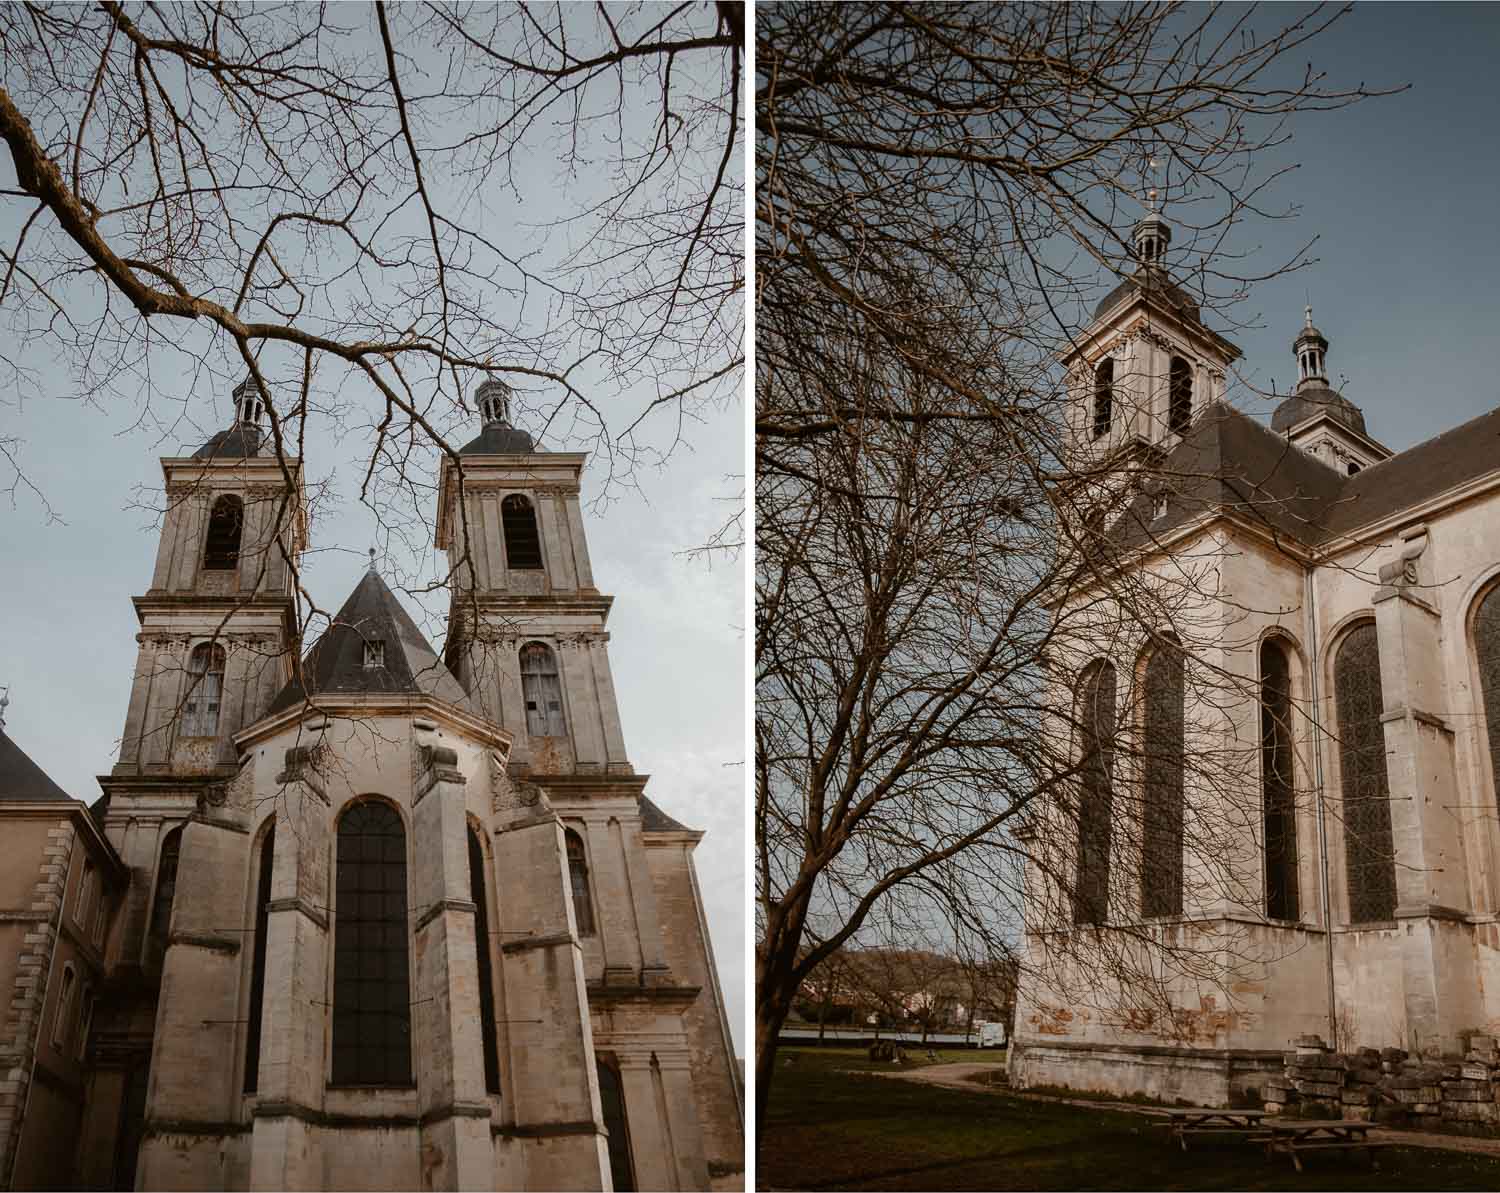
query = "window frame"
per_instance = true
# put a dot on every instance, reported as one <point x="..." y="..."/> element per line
<point x="480" y="882"/>
<point x="552" y="725"/>
<point x="263" y="878"/>
<point x="1180" y="377"/>
<point x="575" y="865"/>
<point x="1095" y="804"/>
<point x="1163" y="900"/>
<point x="161" y="933"/>
<point x="62" y="1012"/>
<point x="224" y="559"/>
<point x="1291" y="857"/>
<point x="202" y="691"/>
<point x="523" y="539"/>
<point x="1102" y="410"/>
<point x="605" y="1062"/>
<point x="1345" y="734"/>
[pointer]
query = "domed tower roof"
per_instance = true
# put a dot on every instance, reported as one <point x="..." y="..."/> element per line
<point x="245" y="437"/>
<point x="1313" y="394"/>
<point x="497" y="437"/>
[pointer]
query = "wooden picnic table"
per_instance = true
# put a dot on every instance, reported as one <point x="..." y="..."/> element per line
<point x="1200" y="1120"/>
<point x="1295" y="1136"/>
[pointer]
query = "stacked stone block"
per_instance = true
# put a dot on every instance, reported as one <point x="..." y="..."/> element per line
<point x="1389" y="1085"/>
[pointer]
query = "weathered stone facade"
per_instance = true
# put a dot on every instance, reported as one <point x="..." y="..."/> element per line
<point x="1301" y="535"/>
<point x="213" y="1055"/>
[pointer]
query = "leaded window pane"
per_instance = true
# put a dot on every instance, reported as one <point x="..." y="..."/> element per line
<point x="1096" y="720"/>
<point x="1277" y="783"/>
<point x="1162" y="741"/>
<point x="1369" y="858"/>
<point x="371" y="986"/>
<point x="1487" y="647"/>
<point x="482" y="948"/>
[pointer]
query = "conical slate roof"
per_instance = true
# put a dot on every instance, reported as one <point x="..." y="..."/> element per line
<point x="336" y="662"/>
<point x="21" y="778"/>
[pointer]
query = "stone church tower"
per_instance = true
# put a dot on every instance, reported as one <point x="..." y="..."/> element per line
<point x="1295" y="797"/>
<point x="391" y="921"/>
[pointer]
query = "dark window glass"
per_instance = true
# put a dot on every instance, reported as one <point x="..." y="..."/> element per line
<point x="612" y="1100"/>
<point x="1096" y="722"/>
<point x="541" y="689"/>
<point x="477" y="886"/>
<point x="1104" y="396"/>
<point x="1369" y="859"/>
<point x="166" y="888"/>
<point x="200" y="708"/>
<point x="1162" y="740"/>
<point x="1180" y="396"/>
<point x="221" y="549"/>
<point x="1276" y="782"/>
<point x="578" y="874"/>
<point x="371" y="988"/>
<point x="1487" y="647"/>
<point x="258" y="963"/>
<point x="523" y="548"/>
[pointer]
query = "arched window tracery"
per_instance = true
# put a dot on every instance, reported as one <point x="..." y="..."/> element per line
<point x="523" y="545"/>
<point x="1096" y="723"/>
<point x="371" y="966"/>
<point x="1278" y="791"/>
<point x="1162" y="743"/>
<point x="221" y="547"/>
<point x="200" y="709"/>
<point x="1369" y="856"/>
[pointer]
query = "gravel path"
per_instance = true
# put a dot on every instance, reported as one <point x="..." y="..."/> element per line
<point x="961" y="1076"/>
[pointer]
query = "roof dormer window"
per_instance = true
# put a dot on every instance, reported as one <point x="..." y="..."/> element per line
<point x="374" y="654"/>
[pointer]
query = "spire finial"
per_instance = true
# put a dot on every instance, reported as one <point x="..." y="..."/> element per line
<point x="4" y="703"/>
<point x="1307" y="315"/>
<point x="372" y="561"/>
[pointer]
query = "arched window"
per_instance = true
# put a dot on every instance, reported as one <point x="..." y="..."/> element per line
<point x="1180" y="396"/>
<point x="1096" y="723"/>
<point x="542" y="691"/>
<point x="86" y="891"/>
<point x="1162" y="741"/>
<point x="523" y="547"/>
<point x="86" y="1023"/>
<point x="1104" y="396"/>
<point x="258" y="962"/>
<point x="1278" y="792"/>
<point x="612" y="1101"/>
<point x="200" y="709"/>
<point x="578" y="876"/>
<point x="166" y="887"/>
<point x="1487" y="648"/>
<point x="1369" y="859"/>
<point x="221" y="549"/>
<point x="477" y="888"/>
<point x="62" y="1018"/>
<point x="371" y="965"/>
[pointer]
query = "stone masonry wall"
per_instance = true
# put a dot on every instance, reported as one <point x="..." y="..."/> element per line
<point x="1456" y="1092"/>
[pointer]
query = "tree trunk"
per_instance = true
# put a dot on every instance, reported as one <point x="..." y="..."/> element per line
<point x="770" y="1014"/>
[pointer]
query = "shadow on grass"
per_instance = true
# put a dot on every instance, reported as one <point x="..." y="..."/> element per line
<point x="829" y="1128"/>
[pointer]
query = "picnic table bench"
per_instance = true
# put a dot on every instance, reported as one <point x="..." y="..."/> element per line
<point x="1294" y="1136"/>
<point x="1204" y="1121"/>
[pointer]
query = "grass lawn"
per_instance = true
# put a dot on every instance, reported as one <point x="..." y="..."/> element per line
<point x="830" y="1128"/>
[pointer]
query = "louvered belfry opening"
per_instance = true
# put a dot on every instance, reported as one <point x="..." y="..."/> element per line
<point x="221" y="549"/>
<point x="1369" y="856"/>
<point x="523" y="545"/>
<point x="1179" y="396"/>
<point x="1277" y="784"/>
<point x="1096" y="728"/>
<point x="1104" y="396"/>
<point x="1162" y="742"/>
<point x="371" y="979"/>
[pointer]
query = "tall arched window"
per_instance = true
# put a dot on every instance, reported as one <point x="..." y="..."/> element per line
<point x="612" y="1101"/>
<point x="200" y="710"/>
<point x="1278" y="792"/>
<point x="542" y="690"/>
<point x="371" y="965"/>
<point x="1162" y="742"/>
<point x="578" y="876"/>
<point x="62" y="1017"/>
<point x="1096" y="725"/>
<point x="221" y="548"/>
<point x="1369" y="859"/>
<point x="1180" y="396"/>
<point x="166" y="887"/>
<point x="523" y="546"/>
<point x="1104" y="396"/>
<point x="477" y="889"/>
<point x="258" y="962"/>
<point x="1487" y="648"/>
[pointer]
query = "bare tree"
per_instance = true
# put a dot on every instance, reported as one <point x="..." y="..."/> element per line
<point x="938" y="189"/>
<point x="369" y="209"/>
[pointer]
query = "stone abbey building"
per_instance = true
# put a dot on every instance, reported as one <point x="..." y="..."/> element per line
<point x="1283" y="821"/>
<point x="383" y="920"/>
